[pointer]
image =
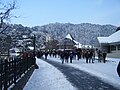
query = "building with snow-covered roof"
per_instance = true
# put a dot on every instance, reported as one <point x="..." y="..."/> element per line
<point x="110" y="43"/>
<point x="69" y="36"/>
<point x="69" y="43"/>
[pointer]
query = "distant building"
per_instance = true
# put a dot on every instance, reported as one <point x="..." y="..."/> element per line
<point x="67" y="42"/>
<point x="110" y="43"/>
<point x="52" y="44"/>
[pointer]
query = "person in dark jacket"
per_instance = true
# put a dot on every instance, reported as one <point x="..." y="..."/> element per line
<point x="46" y="54"/>
<point x="71" y="56"/>
<point x="79" y="55"/>
<point x="87" y="56"/>
<point x="104" y="56"/>
<point x="62" y="56"/>
<point x="66" y="56"/>
<point x="99" y="56"/>
<point x="90" y="56"/>
<point x="118" y="69"/>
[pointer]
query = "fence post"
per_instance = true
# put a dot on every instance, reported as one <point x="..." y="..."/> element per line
<point x="6" y="74"/>
<point x="1" y="68"/>
<point x="20" y="67"/>
<point x="34" y="42"/>
<point x="27" y="62"/>
<point x="14" y="71"/>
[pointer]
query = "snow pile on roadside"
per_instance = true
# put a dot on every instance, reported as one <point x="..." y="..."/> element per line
<point x="47" y="77"/>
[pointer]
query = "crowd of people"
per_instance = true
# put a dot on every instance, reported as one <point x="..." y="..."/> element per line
<point x="89" y="55"/>
<point x="68" y="55"/>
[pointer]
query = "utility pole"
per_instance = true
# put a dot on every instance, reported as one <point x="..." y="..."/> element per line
<point x="34" y="40"/>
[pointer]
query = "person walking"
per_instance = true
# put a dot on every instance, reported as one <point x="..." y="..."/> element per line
<point x="87" y="56"/>
<point x="62" y="55"/>
<point x="46" y="54"/>
<point x="71" y="56"/>
<point x="93" y="58"/>
<point x="90" y="56"/>
<point x="66" y="56"/>
<point x="104" y="56"/>
<point x="99" y="56"/>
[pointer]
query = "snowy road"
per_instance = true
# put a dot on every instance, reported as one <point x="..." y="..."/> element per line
<point x="47" y="77"/>
<point x="80" y="79"/>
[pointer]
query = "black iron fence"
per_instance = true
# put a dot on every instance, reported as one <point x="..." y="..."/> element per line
<point x="13" y="69"/>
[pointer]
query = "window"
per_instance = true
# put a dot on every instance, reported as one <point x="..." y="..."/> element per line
<point x="119" y="47"/>
<point x="113" y="48"/>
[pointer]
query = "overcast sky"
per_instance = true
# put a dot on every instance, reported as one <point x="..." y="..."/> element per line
<point x="40" y="12"/>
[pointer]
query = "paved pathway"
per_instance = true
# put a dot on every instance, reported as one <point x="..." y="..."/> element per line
<point x="80" y="79"/>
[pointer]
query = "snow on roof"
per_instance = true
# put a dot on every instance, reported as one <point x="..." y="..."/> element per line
<point x="27" y="39"/>
<point x="69" y="37"/>
<point x="15" y="49"/>
<point x="87" y="46"/>
<point x="103" y="39"/>
<point x="31" y="48"/>
<point x="24" y="36"/>
<point x="78" y="45"/>
<point x="76" y="42"/>
<point x="115" y="37"/>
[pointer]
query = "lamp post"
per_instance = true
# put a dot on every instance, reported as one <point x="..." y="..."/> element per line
<point x="34" y="51"/>
<point x="34" y="40"/>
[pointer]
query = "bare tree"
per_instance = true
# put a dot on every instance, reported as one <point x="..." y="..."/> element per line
<point x="5" y="13"/>
<point x="5" y="16"/>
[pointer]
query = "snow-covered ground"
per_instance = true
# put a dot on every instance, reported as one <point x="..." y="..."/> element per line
<point x="48" y="77"/>
<point x="104" y="71"/>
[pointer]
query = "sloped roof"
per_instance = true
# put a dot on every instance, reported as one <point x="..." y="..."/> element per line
<point x="15" y="49"/>
<point x="76" y="42"/>
<point x="31" y="48"/>
<point x="102" y="39"/>
<point x="115" y="37"/>
<point x="69" y="36"/>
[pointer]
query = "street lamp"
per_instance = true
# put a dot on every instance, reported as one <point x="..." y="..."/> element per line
<point x="34" y="51"/>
